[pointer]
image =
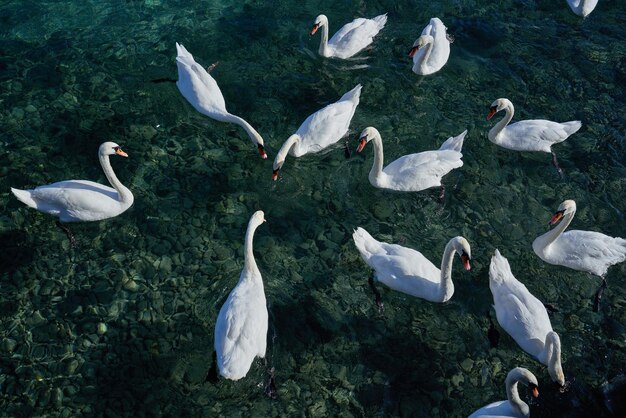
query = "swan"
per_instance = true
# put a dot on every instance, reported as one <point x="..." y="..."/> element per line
<point x="524" y="317"/>
<point x="431" y="50"/>
<point x="514" y="407"/>
<point x="351" y="38"/>
<point x="528" y="135"/>
<point x="413" y="172"/>
<point x="241" y="327"/>
<point x="200" y="89"/>
<point x="582" y="7"/>
<point x="588" y="251"/>
<point x="82" y="200"/>
<point x="320" y="130"/>
<point x="408" y="271"/>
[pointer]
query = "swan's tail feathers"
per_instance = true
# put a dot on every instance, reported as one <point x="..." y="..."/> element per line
<point x="572" y="126"/>
<point x="365" y="243"/>
<point x="454" y="143"/>
<point x="353" y="94"/>
<point x="381" y="20"/>
<point x="183" y="56"/>
<point x="499" y="269"/>
<point x="25" y="197"/>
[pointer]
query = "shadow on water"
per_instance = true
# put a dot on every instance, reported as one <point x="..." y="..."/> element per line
<point x="15" y="251"/>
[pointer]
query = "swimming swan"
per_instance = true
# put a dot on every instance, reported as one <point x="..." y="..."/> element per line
<point x="351" y="38"/>
<point x="431" y="50"/>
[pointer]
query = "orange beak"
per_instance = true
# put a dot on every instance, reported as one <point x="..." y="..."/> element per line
<point x="120" y="152"/>
<point x="262" y="152"/>
<point x="362" y="143"/>
<point x="466" y="262"/>
<point x="492" y="111"/>
<point x="413" y="51"/>
<point x="315" y="28"/>
<point x="275" y="174"/>
<point x="535" y="391"/>
<point x="557" y="217"/>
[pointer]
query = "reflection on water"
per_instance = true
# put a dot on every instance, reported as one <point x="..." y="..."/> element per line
<point x="124" y="322"/>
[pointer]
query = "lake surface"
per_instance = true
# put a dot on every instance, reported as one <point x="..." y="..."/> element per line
<point x="122" y="324"/>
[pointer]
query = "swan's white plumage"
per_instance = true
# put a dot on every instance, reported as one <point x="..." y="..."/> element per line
<point x="406" y="270"/>
<point x="588" y="251"/>
<point x="82" y="200"/>
<point x="434" y="48"/>
<point x="241" y="326"/>
<point x="582" y="7"/>
<point x="322" y="128"/>
<point x="524" y="317"/>
<point x="413" y="172"/>
<point x="527" y="135"/>
<point x="513" y="407"/>
<point x="202" y="92"/>
<point x="351" y="38"/>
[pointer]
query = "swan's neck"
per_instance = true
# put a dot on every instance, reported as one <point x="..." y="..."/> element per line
<point x="427" y="52"/>
<point x="513" y="396"/>
<point x="495" y="131"/>
<point x="377" y="168"/>
<point x="549" y="237"/>
<point x="255" y="137"/>
<point x="323" y="51"/>
<point x="551" y="355"/>
<point x="284" y="150"/>
<point x="249" y="261"/>
<point x="446" y="287"/>
<point x="125" y="195"/>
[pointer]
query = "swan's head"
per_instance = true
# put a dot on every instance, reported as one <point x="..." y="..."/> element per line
<point x="520" y="374"/>
<point x="566" y="207"/>
<point x="262" y="152"/>
<point x="498" y="105"/>
<point x="320" y="21"/>
<point x="111" y="148"/>
<point x="462" y="247"/>
<point x="420" y="42"/>
<point x="366" y="136"/>
<point x="258" y="217"/>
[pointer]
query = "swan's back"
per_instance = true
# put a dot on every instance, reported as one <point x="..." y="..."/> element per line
<point x="197" y="86"/>
<point x="241" y="328"/>
<point x="535" y="134"/>
<point x="356" y="35"/>
<point x="415" y="172"/>
<point x="500" y="409"/>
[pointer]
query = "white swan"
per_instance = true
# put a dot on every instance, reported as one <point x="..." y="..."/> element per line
<point x="408" y="271"/>
<point x="320" y="130"/>
<point x="200" y="89"/>
<point x="351" y="38"/>
<point x="413" y="172"/>
<point x="524" y="317"/>
<point x="514" y="407"/>
<point x="589" y="251"/>
<point x="582" y="7"/>
<point x="431" y="50"/>
<point x="241" y="327"/>
<point x="82" y="200"/>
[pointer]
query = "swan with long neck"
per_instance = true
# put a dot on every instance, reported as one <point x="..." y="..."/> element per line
<point x="514" y="406"/>
<point x="351" y="38"/>
<point x="320" y="130"/>
<point x="430" y="52"/>
<point x="241" y="326"/>
<point x="588" y="251"/>
<point x="413" y="172"/>
<point x="582" y="7"/>
<point x="408" y="271"/>
<point x="82" y="200"/>
<point x="524" y="317"/>
<point x="201" y="90"/>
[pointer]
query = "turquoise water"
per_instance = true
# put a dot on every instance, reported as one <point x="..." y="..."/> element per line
<point x="122" y="325"/>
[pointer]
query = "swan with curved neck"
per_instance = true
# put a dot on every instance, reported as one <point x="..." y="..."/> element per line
<point x="514" y="406"/>
<point x="582" y="7"/>
<point x="408" y="271"/>
<point x="524" y="317"/>
<point x="241" y="326"/>
<point x="201" y="90"/>
<point x="588" y="251"/>
<point x="82" y="200"/>
<point x="320" y="130"/>
<point x="430" y="52"/>
<point x="413" y="172"/>
<point x="351" y="38"/>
